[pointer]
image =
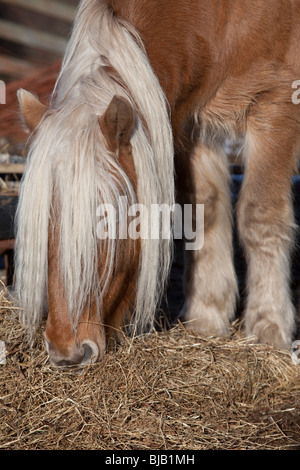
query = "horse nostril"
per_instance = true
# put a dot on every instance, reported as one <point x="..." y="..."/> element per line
<point x="91" y="352"/>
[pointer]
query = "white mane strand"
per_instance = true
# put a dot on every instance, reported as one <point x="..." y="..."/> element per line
<point x="68" y="159"/>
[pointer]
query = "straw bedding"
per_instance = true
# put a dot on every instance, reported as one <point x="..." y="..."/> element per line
<point x="168" y="390"/>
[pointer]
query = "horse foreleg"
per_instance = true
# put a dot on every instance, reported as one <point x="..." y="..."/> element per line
<point x="265" y="220"/>
<point x="210" y="280"/>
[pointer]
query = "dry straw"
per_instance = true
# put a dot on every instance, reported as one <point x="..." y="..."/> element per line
<point x="168" y="390"/>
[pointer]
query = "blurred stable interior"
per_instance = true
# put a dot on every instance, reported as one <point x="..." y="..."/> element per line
<point x="33" y="37"/>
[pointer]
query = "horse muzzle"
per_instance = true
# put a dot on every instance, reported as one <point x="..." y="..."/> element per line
<point x="81" y="355"/>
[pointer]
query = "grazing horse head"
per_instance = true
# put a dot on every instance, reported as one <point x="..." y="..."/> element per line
<point x="74" y="330"/>
<point x="96" y="143"/>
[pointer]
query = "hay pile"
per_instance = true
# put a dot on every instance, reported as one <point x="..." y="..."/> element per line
<point x="169" y="390"/>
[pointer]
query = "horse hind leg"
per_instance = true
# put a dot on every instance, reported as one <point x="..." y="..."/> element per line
<point x="210" y="279"/>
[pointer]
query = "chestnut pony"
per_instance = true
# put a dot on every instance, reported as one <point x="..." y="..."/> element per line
<point x="146" y="87"/>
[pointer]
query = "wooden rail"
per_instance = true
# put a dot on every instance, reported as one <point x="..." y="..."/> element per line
<point x="16" y="67"/>
<point x="28" y="37"/>
<point x="41" y="42"/>
<point x="12" y="168"/>
<point x="58" y="10"/>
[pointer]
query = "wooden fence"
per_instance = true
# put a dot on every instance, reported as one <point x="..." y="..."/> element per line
<point x="33" y="34"/>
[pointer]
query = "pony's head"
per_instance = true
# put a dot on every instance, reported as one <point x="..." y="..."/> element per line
<point x="105" y="137"/>
<point x="91" y="283"/>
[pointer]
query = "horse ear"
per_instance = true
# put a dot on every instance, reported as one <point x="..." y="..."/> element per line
<point x="31" y="109"/>
<point x="117" y="123"/>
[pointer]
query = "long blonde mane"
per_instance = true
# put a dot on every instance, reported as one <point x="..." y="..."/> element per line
<point x="68" y="162"/>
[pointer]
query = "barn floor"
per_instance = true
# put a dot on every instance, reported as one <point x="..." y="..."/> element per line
<point x="166" y="391"/>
